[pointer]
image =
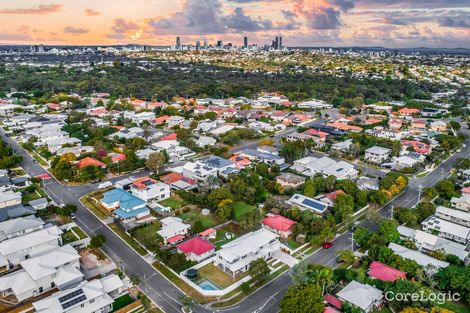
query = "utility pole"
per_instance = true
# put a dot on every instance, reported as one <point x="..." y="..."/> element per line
<point x="419" y="193"/>
<point x="391" y="213"/>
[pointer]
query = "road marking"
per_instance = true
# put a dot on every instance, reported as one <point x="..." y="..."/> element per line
<point x="262" y="307"/>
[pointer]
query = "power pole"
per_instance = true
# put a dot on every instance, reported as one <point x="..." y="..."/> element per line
<point x="391" y="213"/>
<point x="419" y="193"/>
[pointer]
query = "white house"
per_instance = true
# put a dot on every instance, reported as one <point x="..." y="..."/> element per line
<point x="377" y="154"/>
<point x="19" y="226"/>
<point x="307" y="203"/>
<point x="311" y="166"/>
<point x="205" y="141"/>
<point x="9" y="198"/>
<point x="147" y="189"/>
<point x="173" y="149"/>
<point x="59" y="267"/>
<point x="462" y="203"/>
<point x="174" y="121"/>
<point x="198" y="170"/>
<point x="173" y="229"/>
<point x="17" y="249"/>
<point x="419" y="257"/>
<point x="454" y="216"/>
<point x="235" y="257"/>
<point x="363" y="296"/>
<point x="447" y="229"/>
<point x="89" y="296"/>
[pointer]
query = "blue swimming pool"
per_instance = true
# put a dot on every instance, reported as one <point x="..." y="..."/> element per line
<point x="207" y="285"/>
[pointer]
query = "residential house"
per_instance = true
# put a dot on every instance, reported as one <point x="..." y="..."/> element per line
<point x="57" y="268"/>
<point x="438" y="126"/>
<point x="147" y="189"/>
<point x="377" y="155"/>
<point x="178" y="181"/>
<point x="174" y="121"/>
<point x="262" y="157"/>
<point x="89" y="161"/>
<point x="337" y="126"/>
<point x="385" y="272"/>
<point x="17" y="249"/>
<point x="124" y="205"/>
<point x="221" y="165"/>
<point x="418" y="125"/>
<point x="367" y="183"/>
<point x="447" y="229"/>
<point x="290" y="180"/>
<point x="198" y="170"/>
<point x="205" y="141"/>
<point x="20" y="226"/>
<point x="196" y="249"/>
<point x="462" y="203"/>
<point x="128" y="133"/>
<point x="209" y="233"/>
<point x="454" y="216"/>
<point x="422" y="259"/>
<point x="39" y="204"/>
<point x="77" y="151"/>
<point x="174" y="150"/>
<point x="342" y="146"/>
<point x="7" y="110"/>
<point x="9" y="198"/>
<point x="409" y="111"/>
<point x="311" y="166"/>
<point x="278" y="224"/>
<point x="366" y="297"/>
<point x="330" y="198"/>
<point x="428" y="242"/>
<point x="307" y="203"/>
<point x="173" y="230"/>
<point x="89" y="296"/>
<point x="235" y="257"/>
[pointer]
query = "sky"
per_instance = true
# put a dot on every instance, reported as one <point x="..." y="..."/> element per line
<point x="388" y="23"/>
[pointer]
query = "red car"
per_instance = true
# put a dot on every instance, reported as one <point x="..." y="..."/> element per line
<point x="327" y="245"/>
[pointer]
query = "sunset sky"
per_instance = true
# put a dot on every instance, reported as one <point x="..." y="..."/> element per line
<point x="389" y="23"/>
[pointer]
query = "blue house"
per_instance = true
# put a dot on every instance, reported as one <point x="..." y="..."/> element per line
<point x="125" y="205"/>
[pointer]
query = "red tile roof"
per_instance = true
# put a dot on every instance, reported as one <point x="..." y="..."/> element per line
<point x="174" y="177"/>
<point x="196" y="245"/>
<point x="175" y="239"/>
<point x="332" y="300"/>
<point x="466" y="190"/>
<point x="329" y="309"/>
<point x="408" y="111"/>
<point x="89" y="161"/>
<point x="314" y="132"/>
<point x="118" y="157"/>
<point x="384" y="272"/>
<point x="332" y="195"/>
<point x="344" y="127"/>
<point x="143" y="182"/>
<point x="173" y="136"/>
<point x="160" y="120"/>
<point x="207" y="232"/>
<point x="278" y="222"/>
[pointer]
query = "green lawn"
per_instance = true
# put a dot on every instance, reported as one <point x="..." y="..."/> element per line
<point x="32" y="195"/>
<point x="193" y="216"/>
<point x="94" y="207"/>
<point x="456" y="307"/>
<point x="220" y="239"/>
<point x="68" y="237"/>
<point x="147" y="236"/>
<point x="172" y="203"/>
<point x="240" y="208"/>
<point x="122" y="301"/>
<point x="383" y="310"/>
<point x="79" y="232"/>
<point x="127" y="239"/>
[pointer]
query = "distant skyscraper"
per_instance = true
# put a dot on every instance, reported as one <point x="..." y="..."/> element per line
<point x="276" y="43"/>
<point x="205" y="44"/>
<point x="220" y="44"/>
<point x="198" y="45"/>
<point x="280" y="42"/>
<point x="245" y="42"/>
<point x="178" y="42"/>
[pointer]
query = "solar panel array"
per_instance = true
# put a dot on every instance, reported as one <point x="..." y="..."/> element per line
<point x="313" y="204"/>
<point x="72" y="298"/>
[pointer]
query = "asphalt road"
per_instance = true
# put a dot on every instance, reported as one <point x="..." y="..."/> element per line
<point x="164" y="293"/>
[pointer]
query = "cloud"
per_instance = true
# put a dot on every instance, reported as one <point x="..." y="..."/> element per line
<point x="239" y="21"/>
<point x="91" y="12"/>
<point x="121" y="27"/>
<point x="75" y="30"/>
<point x="36" y="10"/>
<point x="407" y="4"/>
<point x="454" y="22"/>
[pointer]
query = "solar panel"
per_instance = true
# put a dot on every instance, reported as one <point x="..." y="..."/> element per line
<point x="314" y="204"/>
<point x="72" y="302"/>
<point x="71" y="295"/>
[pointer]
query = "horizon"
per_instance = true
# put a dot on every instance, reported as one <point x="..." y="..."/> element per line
<point x="387" y="24"/>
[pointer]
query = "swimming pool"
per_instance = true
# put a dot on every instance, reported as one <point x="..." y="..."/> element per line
<point x="207" y="285"/>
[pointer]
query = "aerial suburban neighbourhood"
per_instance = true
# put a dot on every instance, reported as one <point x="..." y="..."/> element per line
<point x="202" y="175"/>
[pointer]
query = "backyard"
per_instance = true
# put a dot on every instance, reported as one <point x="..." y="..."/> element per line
<point x="217" y="276"/>
<point x="31" y="192"/>
<point x="195" y="214"/>
<point x="122" y="301"/>
<point x="72" y="235"/>
<point x="173" y="203"/>
<point x="240" y="208"/>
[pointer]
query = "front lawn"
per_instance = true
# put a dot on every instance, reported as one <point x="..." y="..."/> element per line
<point x="147" y="236"/>
<point x="172" y="203"/>
<point x="79" y="232"/>
<point x="195" y="215"/>
<point x="31" y="192"/>
<point x="122" y="301"/>
<point x="128" y="239"/>
<point x="94" y="207"/>
<point x="240" y="208"/>
<point x="68" y="237"/>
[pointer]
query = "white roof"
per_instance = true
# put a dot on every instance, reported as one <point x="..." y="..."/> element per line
<point x="420" y="258"/>
<point x="378" y="150"/>
<point x="462" y="199"/>
<point x="360" y="295"/>
<point x="447" y="227"/>
<point x="13" y="226"/>
<point x="250" y="242"/>
<point x="30" y="240"/>
<point x="9" y="195"/>
<point x="454" y="213"/>
<point x="406" y="231"/>
<point x="170" y="229"/>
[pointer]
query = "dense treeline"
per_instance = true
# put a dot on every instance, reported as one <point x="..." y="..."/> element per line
<point x="165" y="80"/>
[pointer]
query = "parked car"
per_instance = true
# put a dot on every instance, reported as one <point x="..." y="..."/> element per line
<point x="105" y="184"/>
<point x="327" y="245"/>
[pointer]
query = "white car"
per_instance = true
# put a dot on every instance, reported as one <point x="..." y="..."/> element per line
<point x="105" y="184"/>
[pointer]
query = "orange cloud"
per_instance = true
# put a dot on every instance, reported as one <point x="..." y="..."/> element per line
<point x="36" y="10"/>
<point x="91" y="12"/>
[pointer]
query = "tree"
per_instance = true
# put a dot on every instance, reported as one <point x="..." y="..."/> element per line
<point x="224" y="210"/>
<point x="350" y="308"/>
<point x="266" y="142"/>
<point x="310" y="189"/>
<point x="259" y="270"/>
<point x="345" y="256"/>
<point x="245" y="288"/>
<point x="198" y="227"/>
<point x="424" y="210"/>
<point x="330" y="183"/>
<point x="396" y="148"/>
<point x="67" y="210"/>
<point x="219" y="194"/>
<point x="362" y="236"/>
<point x="455" y="125"/>
<point x="446" y="189"/>
<point x="155" y="161"/>
<point x="97" y="241"/>
<point x="302" y="299"/>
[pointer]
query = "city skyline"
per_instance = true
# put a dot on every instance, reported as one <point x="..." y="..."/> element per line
<point x="390" y="23"/>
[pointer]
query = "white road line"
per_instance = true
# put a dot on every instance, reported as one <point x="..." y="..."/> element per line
<point x="262" y="307"/>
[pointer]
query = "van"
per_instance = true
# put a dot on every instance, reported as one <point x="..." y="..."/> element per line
<point x="105" y="184"/>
